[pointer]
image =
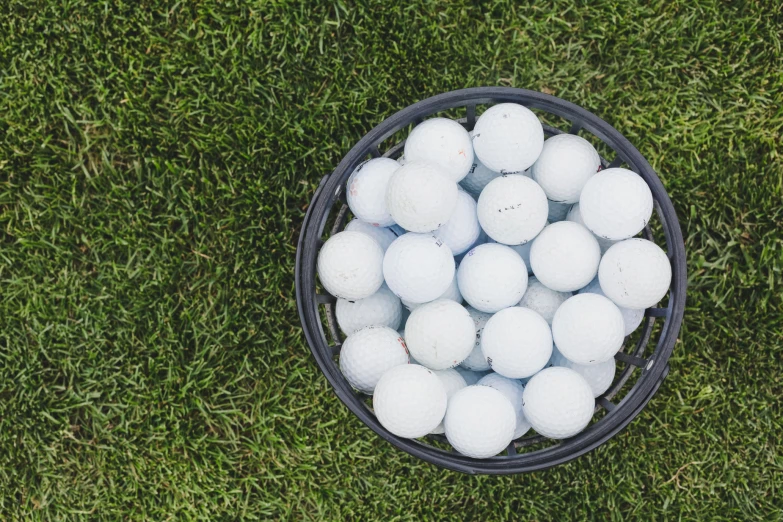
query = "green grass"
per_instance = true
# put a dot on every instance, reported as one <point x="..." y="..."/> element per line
<point x="156" y="159"/>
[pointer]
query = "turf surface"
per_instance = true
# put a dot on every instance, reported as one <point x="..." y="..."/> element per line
<point x="156" y="159"/>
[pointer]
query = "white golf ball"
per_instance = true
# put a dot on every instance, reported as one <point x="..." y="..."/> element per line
<point x="517" y="342"/>
<point x="382" y="308"/>
<point x="599" y="376"/>
<point x="421" y="196"/>
<point x="565" y="256"/>
<point x="443" y="142"/>
<point x="350" y="265"/>
<point x="616" y="204"/>
<point x="557" y="211"/>
<point x="512" y="209"/>
<point x="558" y="402"/>
<point x="543" y="300"/>
<point x="508" y="138"/>
<point x="576" y="216"/>
<point x="452" y="382"/>
<point x="566" y="163"/>
<point x="492" y="277"/>
<point x="462" y="229"/>
<point x="631" y="318"/>
<point x="635" y="273"/>
<point x="383" y="236"/>
<point x="588" y="329"/>
<point x="418" y="267"/>
<point x="366" y="191"/>
<point x="480" y="422"/>
<point x="369" y="353"/>
<point x="470" y="376"/>
<point x="476" y="360"/>
<point x="512" y="390"/>
<point x="440" y="334"/>
<point x="409" y="401"/>
<point x="478" y="177"/>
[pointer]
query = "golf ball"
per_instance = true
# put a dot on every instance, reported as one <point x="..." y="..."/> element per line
<point x="565" y="256"/>
<point x="418" y="267"/>
<point x="558" y="402"/>
<point x="635" y="273"/>
<point x="409" y="401"/>
<point x="369" y="353"/>
<point x="616" y="204"/>
<point x="480" y="422"/>
<point x="478" y="177"/>
<point x="366" y="191"/>
<point x="384" y="236"/>
<point x="382" y="308"/>
<point x="440" y="334"/>
<point x="452" y="382"/>
<point x="512" y="209"/>
<point x="599" y="376"/>
<point x="350" y="265"/>
<point x="588" y="329"/>
<point x="543" y="300"/>
<point x="566" y="163"/>
<point x="443" y="142"/>
<point x="492" y="277"/>
<point x="517" y="342"/>
<point x="462" y="229"/>
<point x="508" y="138"/>
<point x="421" y="196"/>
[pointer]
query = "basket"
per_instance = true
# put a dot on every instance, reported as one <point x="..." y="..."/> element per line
<point x="643" y="360"/>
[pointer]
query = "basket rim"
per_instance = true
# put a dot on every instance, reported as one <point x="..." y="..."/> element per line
<point x="618" y="416"/>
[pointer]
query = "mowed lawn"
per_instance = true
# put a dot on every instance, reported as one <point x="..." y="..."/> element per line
<point x="156" y="161"/>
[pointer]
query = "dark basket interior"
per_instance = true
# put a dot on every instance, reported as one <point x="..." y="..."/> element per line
<point x="642" y="362"/>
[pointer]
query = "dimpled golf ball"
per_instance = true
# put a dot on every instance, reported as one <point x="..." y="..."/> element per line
<point x="543" y="300"/>
<point x="512" y="209"/>
<point x="366" y="191"/>
<point x="350" y="265"/>
<point x="452" y="382"/>
<point x="440" y="334"/>
<point x="452" y="293"/>
<point x="480" y="422"/>
<point x="599" y="376"/>
<point x="409" y="401"/>
<point x="443" y="142"/>
<point x="476" y="360"/>
<point x="631" y="318"/>
<point x="508" y="138"/>
<point x="635" y="273"/>
<point x="418" y="267"/>
<point x="382" y="308"/>
<point x="478" y="177"/>
<point x="369" y="353"/>
<point x="512" y="390"/>
<point x="576" y="216"/>
<point x="588" y="329"/>
<point x="517" y="342"/>
<point x="492" y="277"/>
<point x="616" y="204"/>
<point x="566" y="163"/>
<point x="558" y="402"/>
<point x="565" y="256"/>
<point x="557" y="211"/>
<point x="421" y="196"/>
<point x="383" y="236"/>
<point x="462" y="229"/>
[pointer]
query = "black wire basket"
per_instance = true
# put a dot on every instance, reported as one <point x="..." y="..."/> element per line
<point x="643" y="360"/>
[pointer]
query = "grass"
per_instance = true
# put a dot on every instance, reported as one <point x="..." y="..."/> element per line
<point x="156" y="159"/>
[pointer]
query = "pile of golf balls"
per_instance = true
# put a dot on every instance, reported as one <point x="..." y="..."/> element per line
<point x="487" y="280"/>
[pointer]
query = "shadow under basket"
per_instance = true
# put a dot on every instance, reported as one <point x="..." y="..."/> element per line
<point x="643" y="360"/>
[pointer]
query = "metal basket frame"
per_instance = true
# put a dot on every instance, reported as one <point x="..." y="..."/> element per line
<point x="654" y="368"/>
